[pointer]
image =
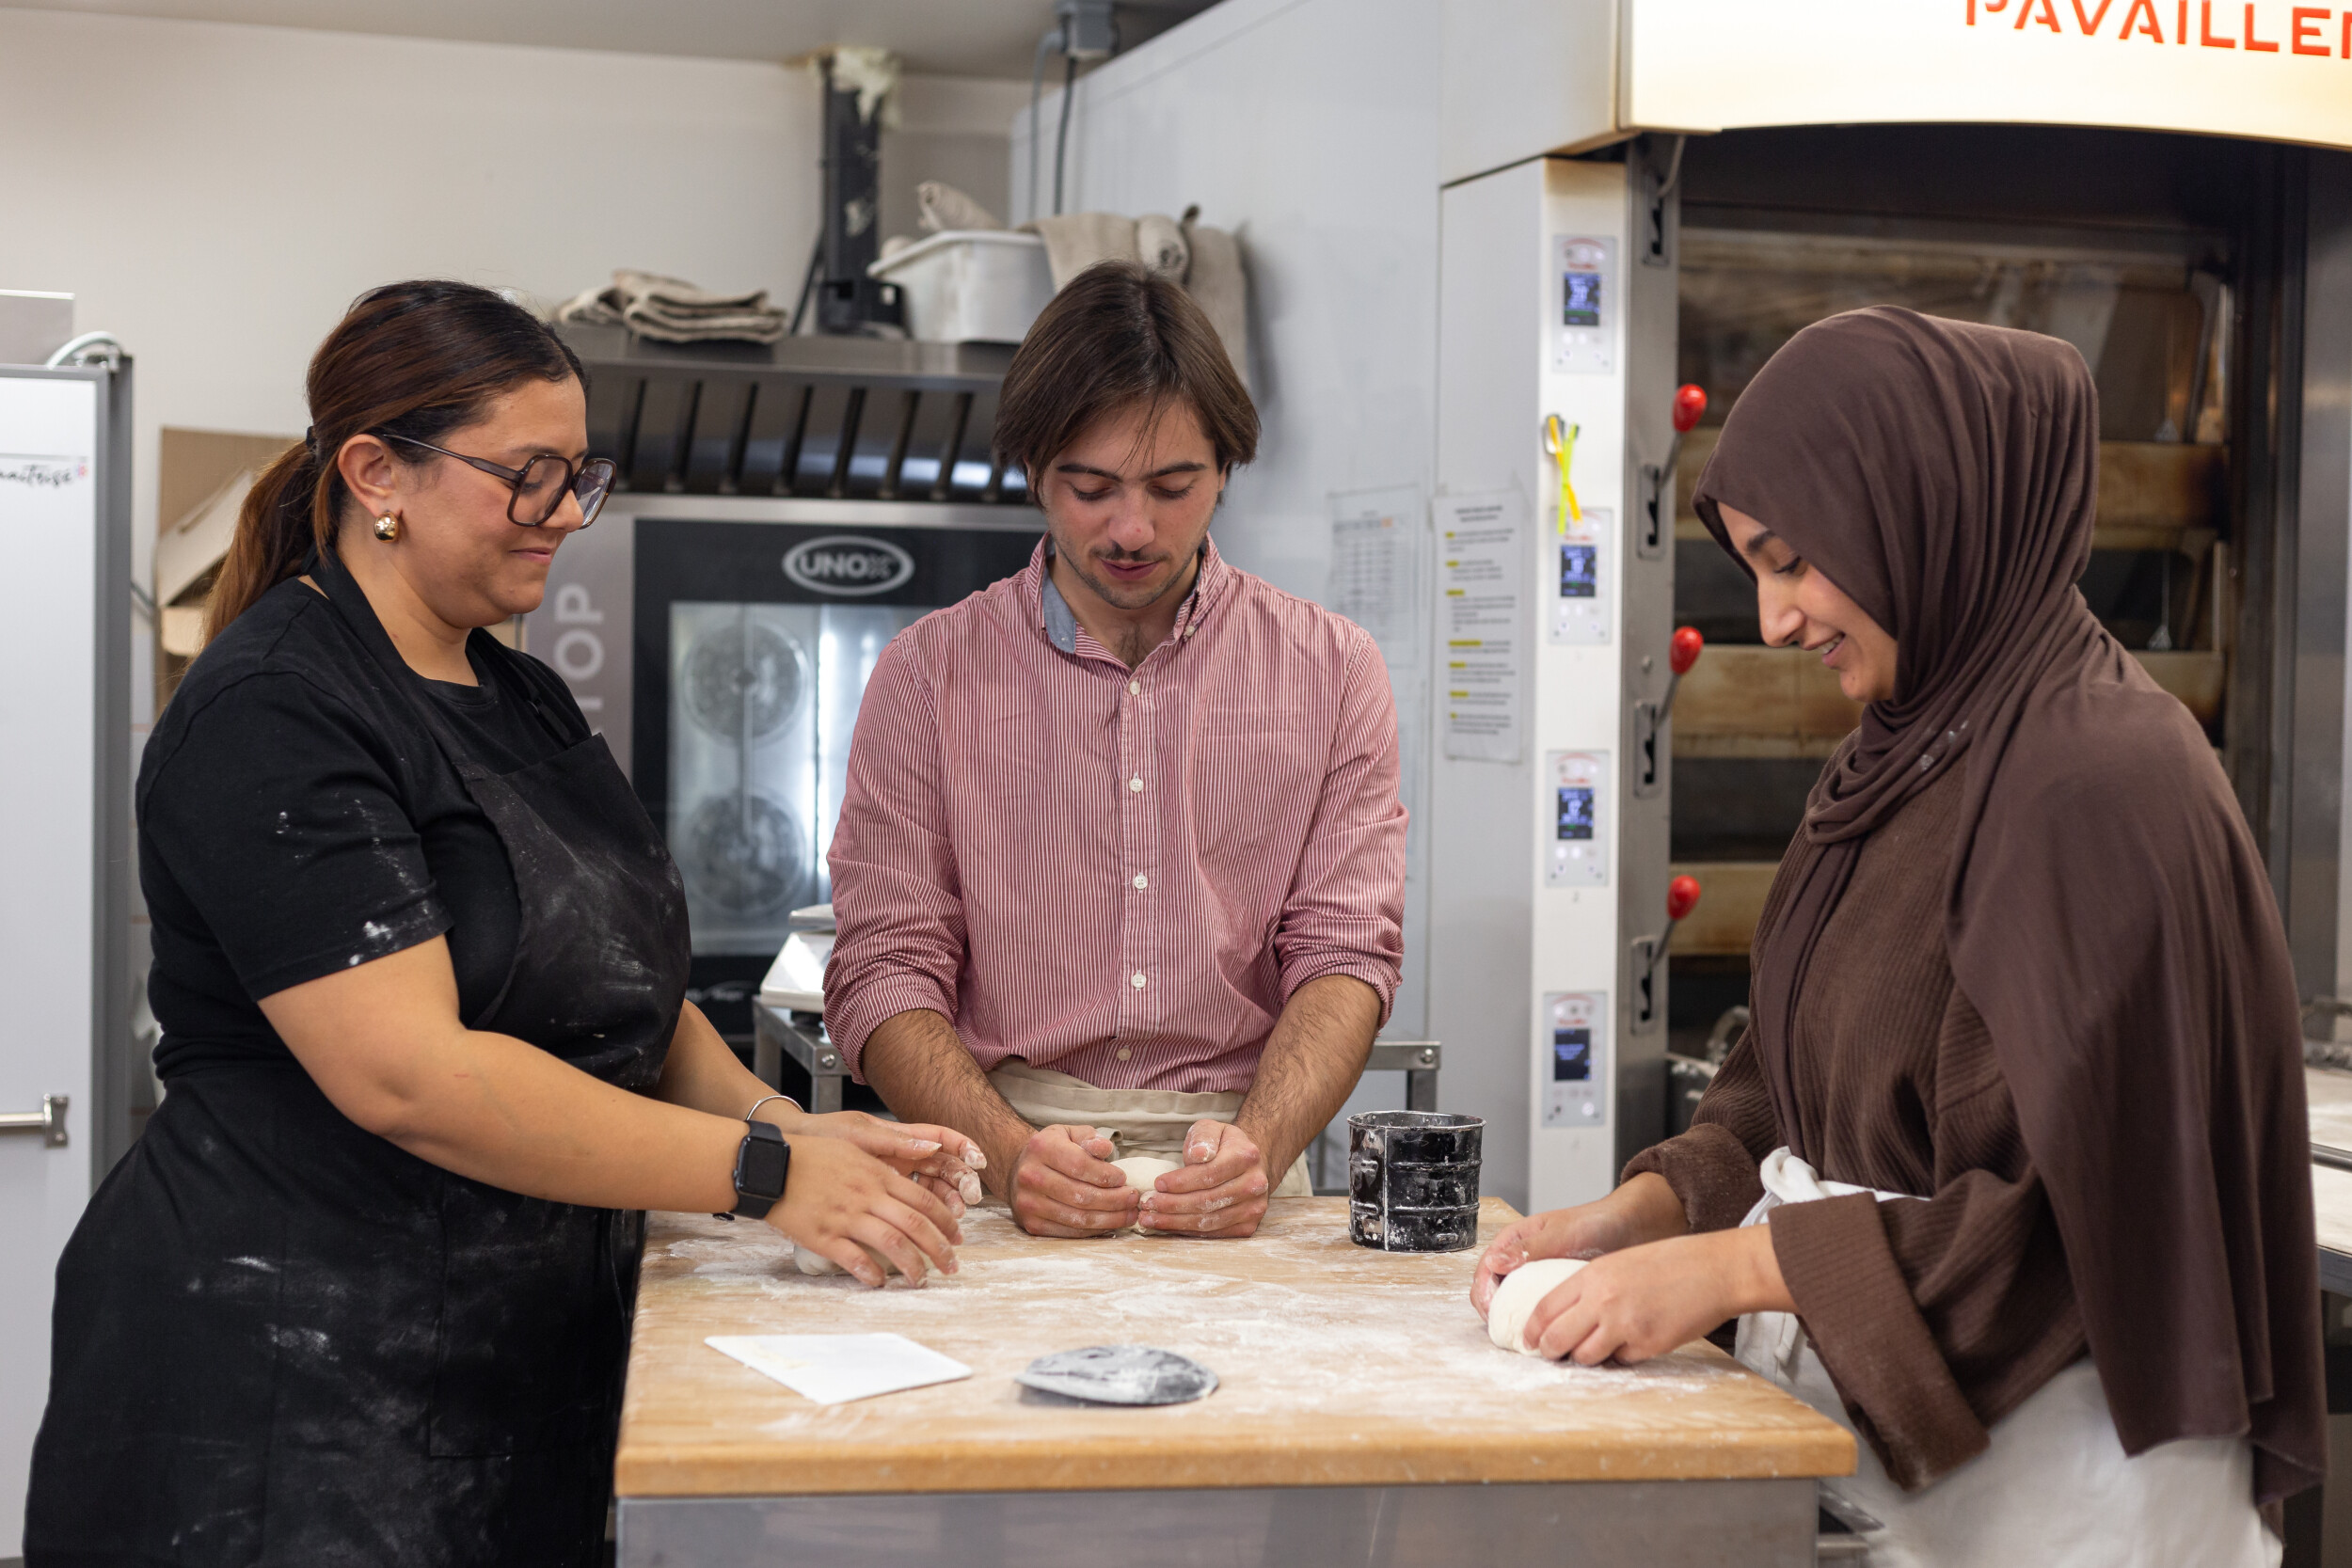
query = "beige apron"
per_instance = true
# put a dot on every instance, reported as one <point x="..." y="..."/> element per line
<point x="2054" y="1488"/>
<point x="1138" y="1122"/>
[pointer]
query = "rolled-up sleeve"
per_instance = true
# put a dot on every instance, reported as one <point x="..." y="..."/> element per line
<point x="897" y="907"/>
<point x="1345" y="911"/>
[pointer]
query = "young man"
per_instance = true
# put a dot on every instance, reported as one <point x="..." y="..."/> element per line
<point x="1121" y="850"/>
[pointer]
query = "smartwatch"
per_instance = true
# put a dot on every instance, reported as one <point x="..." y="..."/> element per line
<point x="761" y="1167"/>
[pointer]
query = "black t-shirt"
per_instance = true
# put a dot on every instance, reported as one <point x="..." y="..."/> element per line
<point x="297" y="818"/>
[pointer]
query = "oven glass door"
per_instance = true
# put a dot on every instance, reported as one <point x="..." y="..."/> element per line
<point x="754" y="644"/>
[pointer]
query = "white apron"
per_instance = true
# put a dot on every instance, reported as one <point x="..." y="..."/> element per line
<point x="2054" y="1488"/>
<point x="1138" y="1122"/>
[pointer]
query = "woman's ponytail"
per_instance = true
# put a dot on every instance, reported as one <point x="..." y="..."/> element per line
<point x="409" y="359"/>
<point x="277" y="528"/>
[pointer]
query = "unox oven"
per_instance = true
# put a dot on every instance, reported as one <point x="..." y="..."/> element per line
<point x="720" y="640"/>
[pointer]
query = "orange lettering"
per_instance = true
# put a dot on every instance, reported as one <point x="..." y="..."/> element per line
<point x="2348" y="33"/>
<point x="2253" y="45"/>
<point x="2090" y="23"/>
<point x="2307" y="20"/>
<point x="2180" y="34"/>
<point x="2142" y="18"/>
<point x="2205" y="31"/>
<point x="2048" y="17"/>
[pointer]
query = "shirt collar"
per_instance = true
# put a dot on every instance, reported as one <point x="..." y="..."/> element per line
<point x="1060" y="623"/>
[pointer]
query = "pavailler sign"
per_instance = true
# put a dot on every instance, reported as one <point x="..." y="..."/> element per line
<point x="2269" y="68"/>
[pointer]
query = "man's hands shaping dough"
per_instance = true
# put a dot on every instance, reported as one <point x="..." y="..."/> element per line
<point x="1062" y="1183"/>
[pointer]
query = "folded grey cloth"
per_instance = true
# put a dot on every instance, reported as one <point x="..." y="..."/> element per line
<point x="1075" y="241"/>
<point x="940" y="207"/>
<point x="671" y="310"/>
<point x="1220" y="286"/>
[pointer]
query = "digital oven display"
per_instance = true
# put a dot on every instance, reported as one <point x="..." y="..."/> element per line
<point x="1579" y="571"/>
<point x="1571" y="1056"/>
<point x="1576" y="812"/>
<point x="1580" y="299"/>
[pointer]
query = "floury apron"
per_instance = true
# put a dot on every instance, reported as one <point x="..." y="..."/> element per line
<point x="2054" y="1489"/>
<point x="282" y="1340"/>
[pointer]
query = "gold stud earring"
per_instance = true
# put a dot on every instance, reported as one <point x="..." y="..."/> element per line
<point x="387" y="527"/>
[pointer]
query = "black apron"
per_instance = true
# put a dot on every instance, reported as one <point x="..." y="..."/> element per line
<point x="280" y="1339"/>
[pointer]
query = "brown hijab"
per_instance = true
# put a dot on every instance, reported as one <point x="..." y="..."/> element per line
<point x="2106" y="910"/>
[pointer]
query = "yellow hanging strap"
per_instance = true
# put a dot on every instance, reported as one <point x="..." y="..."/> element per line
<point x="1560" y="441"/>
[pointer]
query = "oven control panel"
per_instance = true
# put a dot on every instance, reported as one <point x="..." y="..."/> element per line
<point x="1584" y="306"/>
<point x="1575" y="1046"/>
<point x="1577" y="849"/>
<point x="1580" y="607"/>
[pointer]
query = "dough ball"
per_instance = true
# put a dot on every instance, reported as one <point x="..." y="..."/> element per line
<point x="1141" y="1171"/>
<point x="1521" y="1289"/>
<point x="818" y="1263"/>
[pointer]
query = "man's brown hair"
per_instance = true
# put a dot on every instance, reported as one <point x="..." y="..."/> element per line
<point x="1118" y="334"/>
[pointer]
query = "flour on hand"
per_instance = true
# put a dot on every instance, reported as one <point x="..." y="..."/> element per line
<point x="1516" y="1298"/>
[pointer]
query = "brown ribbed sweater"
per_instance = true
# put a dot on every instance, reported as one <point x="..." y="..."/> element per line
<point x="1934" y="1318"/>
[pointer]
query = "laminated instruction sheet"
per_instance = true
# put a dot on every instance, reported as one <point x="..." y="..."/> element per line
<point x="1482" y="583"/>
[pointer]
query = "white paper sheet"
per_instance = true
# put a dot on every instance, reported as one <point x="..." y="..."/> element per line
<point x="833" y="1369"/>
<point x="1482" y="593"/>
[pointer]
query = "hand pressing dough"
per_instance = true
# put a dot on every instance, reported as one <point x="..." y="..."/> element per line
<point x="817" y="1262"/>
<point x="1521" y="1289"/>
<point x="1141" y="1171"/>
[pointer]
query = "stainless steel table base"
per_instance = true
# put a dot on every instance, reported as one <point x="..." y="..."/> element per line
<point x="1647" y="1524"/>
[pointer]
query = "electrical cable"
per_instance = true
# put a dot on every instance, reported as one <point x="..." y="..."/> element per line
<point x="1674" y="169"/>
<point x="1061" y="139"/>
<point x="808" y="282"/>
<point x="1045" y="45"/>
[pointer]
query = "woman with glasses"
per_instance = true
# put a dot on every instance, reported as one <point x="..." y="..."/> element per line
<point x="361" y="1293"/>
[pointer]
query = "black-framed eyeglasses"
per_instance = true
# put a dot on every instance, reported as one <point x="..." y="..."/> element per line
<point x="540" y="484"/>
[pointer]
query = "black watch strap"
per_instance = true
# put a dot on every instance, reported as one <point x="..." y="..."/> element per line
<point x="761" y="1165"/>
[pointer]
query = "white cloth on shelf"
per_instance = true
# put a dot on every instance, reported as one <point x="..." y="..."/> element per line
<point x="1207" y="261"/>
<point x="939" y="208"/>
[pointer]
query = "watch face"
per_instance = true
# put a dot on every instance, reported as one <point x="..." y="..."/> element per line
<point x="759" y="1167"/>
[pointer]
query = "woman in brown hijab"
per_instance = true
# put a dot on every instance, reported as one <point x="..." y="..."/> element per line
<point x="2009" y="1173"/>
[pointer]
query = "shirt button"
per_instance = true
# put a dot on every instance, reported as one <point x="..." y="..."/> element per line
<point x="1134" y="689"/>
<point x="1141" y="881"/>
<point x="1134" y="787"/>
<point x="1124" y="1054"/>
<point x="1136" y="979"/>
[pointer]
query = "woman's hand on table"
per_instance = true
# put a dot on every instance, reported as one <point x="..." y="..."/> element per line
<point x="1221" y="1190"/>
<point x="940" y="1158"/>
<point x="1062" y="1183"/>
<point x="1647" y="1299"/>
<point x="839" y="1200"/>
<point x="1641" y="1209"/>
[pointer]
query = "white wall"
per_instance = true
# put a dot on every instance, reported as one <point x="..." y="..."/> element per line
<point x="1309" y="128"/>
<point x="215" y="194"/>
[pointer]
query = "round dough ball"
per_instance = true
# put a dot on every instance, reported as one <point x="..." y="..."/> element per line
<point x="818" y="1263"/>
<point x="1141" y="1171"/>
<point x="1521" y="1289"/>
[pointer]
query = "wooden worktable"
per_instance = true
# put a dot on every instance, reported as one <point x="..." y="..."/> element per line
<point x="1340" y="1367"/>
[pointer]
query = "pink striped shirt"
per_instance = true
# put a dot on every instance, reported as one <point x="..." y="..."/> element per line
<point x="1118" y="875"/>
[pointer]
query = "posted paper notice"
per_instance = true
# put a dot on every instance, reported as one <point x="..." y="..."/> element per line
<point x="1482" y="593"/>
